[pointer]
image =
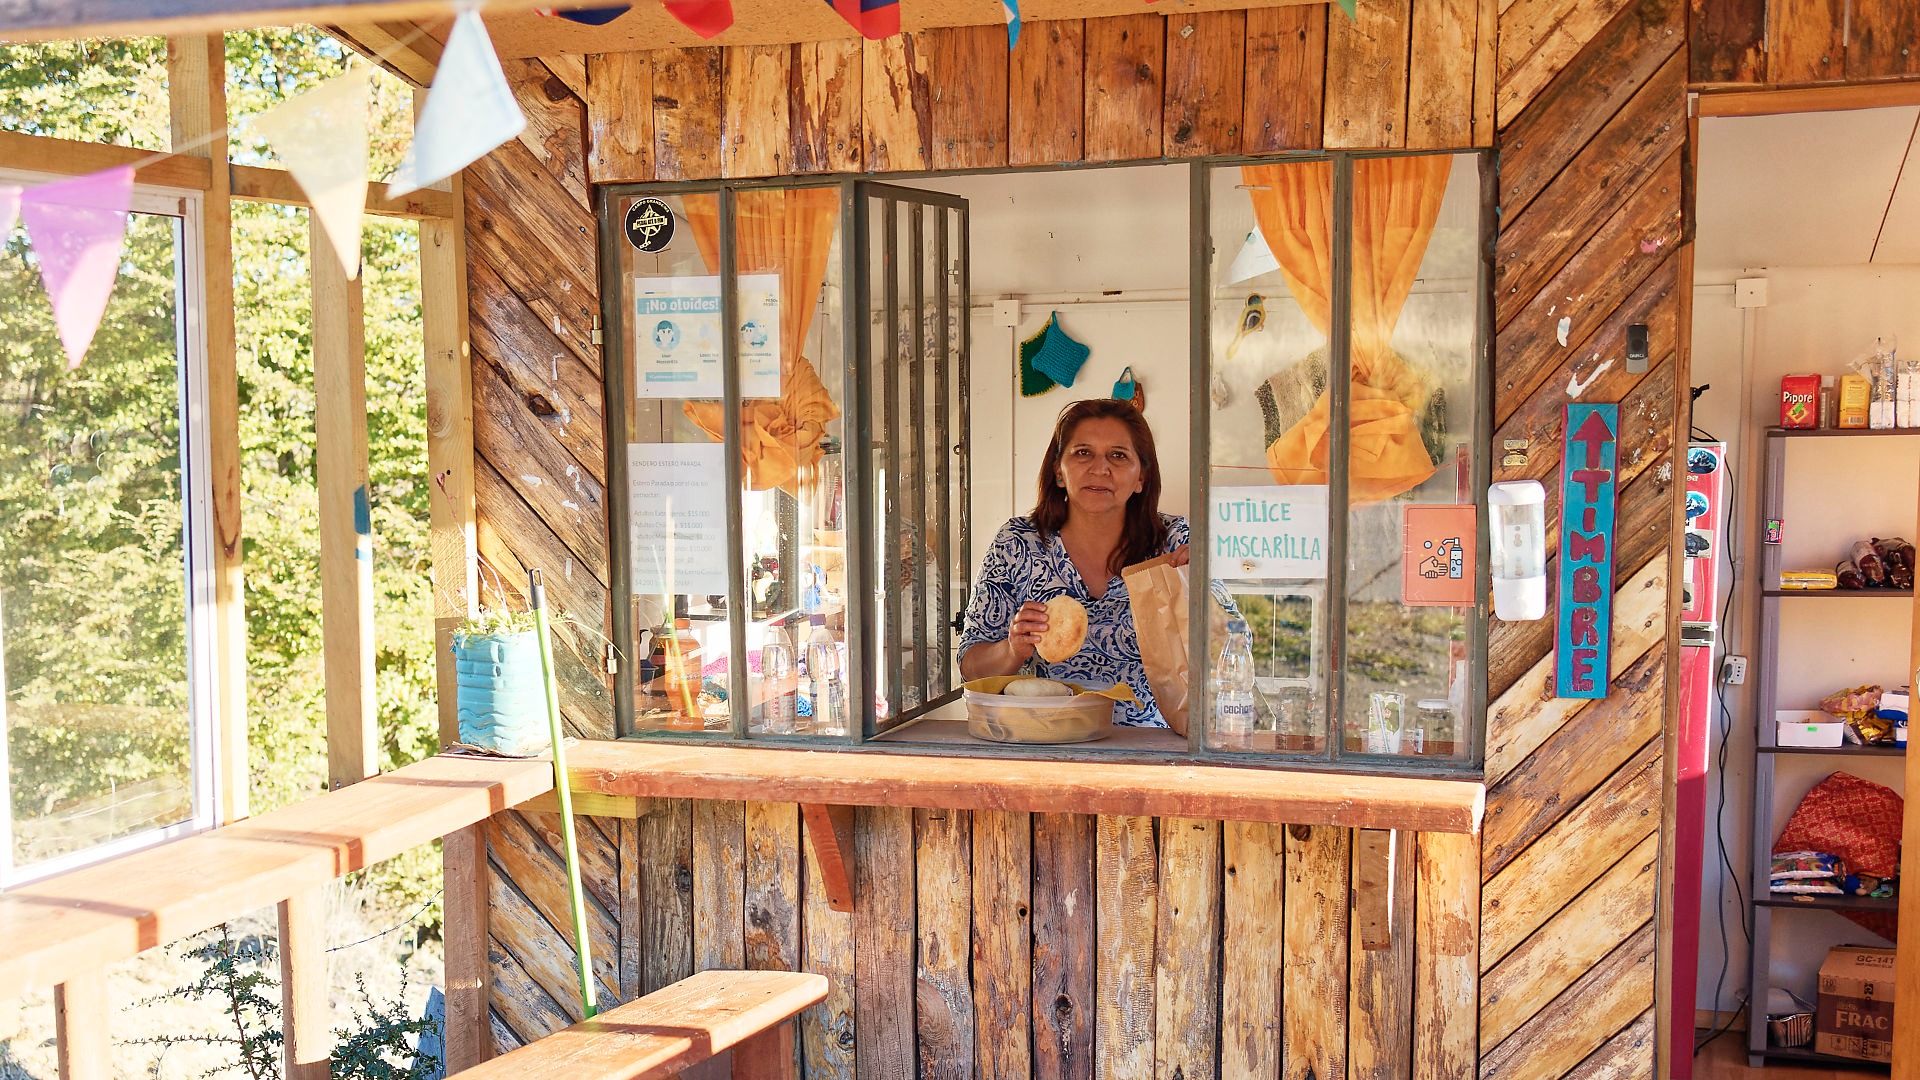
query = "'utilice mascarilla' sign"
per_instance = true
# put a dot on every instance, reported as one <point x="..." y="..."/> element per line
<point x="1583" y="645"/>
<point x="1268" y="532"/>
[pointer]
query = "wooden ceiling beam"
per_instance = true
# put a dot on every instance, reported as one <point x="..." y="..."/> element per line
<point x="259" y="184"/>
<point x="403" y="48"/>
<point x="67" y="157"/>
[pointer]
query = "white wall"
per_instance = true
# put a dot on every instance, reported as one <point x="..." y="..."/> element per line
<point x="1839" y="490"/>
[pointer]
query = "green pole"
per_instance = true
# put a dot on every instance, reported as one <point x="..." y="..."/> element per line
<point x="576" y="899"/>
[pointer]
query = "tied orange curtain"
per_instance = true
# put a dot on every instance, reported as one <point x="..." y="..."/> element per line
<point x="1396" y="203"/>
<point x="789" y="232"/>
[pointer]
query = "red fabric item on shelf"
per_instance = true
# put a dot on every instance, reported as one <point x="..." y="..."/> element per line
<point x="1857" y="820"/>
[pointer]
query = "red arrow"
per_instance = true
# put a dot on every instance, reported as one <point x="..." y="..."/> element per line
<point x="1593" y="433"/>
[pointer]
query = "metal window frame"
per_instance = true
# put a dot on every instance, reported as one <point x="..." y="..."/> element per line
<point x="1339" y="382"/>
<point x="857" y="405"/>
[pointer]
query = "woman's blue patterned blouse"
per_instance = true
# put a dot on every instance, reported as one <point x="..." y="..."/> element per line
<point x="1023" y="566"/>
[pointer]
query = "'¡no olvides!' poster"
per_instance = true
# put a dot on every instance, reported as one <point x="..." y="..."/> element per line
<point x="677" y="336"/>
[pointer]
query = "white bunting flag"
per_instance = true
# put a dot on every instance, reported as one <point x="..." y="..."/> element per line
<point x="9" y="209"/>
<point x="78" y="227"/>
<point x="322" y="136"/>
<point x="469" y="111"/>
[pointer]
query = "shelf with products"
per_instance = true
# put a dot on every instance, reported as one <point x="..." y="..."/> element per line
<point x="1804" y="488"/>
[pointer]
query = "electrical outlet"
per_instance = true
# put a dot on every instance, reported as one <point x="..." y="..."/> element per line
<point x="1735" y="670"/>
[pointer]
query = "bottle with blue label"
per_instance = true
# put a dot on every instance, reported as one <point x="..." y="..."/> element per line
<point x="1232" y="690"/>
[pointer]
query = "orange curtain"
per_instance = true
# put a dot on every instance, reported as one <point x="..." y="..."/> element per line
<point x="789" y="232"/>
<point x="1396" y="203"/>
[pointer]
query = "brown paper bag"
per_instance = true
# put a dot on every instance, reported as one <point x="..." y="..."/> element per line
<point x="1157" y="595"/>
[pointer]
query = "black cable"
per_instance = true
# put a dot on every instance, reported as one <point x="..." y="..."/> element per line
<point x="1720" y="810"/>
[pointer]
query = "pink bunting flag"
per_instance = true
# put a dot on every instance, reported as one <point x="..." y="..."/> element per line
<point x="77" y="228"/>
<point x="9" y="209"/>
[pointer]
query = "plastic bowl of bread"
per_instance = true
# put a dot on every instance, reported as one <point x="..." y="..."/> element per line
<point x="1017" y="709"/>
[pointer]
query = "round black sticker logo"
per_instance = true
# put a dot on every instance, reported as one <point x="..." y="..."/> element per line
<point x="649" y="225"/>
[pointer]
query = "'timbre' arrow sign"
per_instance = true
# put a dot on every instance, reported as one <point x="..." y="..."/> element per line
<point x="1583" y="644"/>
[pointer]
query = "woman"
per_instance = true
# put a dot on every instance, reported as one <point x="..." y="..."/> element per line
<point x="1098" y="511"/>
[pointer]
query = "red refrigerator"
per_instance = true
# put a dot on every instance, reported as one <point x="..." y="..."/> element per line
<point x="1699" y="629"/>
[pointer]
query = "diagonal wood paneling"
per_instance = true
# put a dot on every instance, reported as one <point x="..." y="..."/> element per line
<point x="1626" y="1056"/>
<point x="1537" y="143"/>
<point x="1574" y="940"/>
<point x="1621" y="157"/>
<point x="1538" y="39"/>
<point x="1610" y="996"/>
<point x="1594" y="834"/>
<point x="1527" y="801"/>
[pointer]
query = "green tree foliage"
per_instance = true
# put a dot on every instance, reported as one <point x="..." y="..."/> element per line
<point x="91" y="589"/>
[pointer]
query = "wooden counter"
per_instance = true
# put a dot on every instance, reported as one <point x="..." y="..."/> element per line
<point x="851" y="778"/>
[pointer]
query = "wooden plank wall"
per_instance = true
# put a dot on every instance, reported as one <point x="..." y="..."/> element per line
<point x="1052" y="945"/>
<point x="1010" y="945"/>
<point x="1803" y="42"/>
<point x="1592" y="133"/>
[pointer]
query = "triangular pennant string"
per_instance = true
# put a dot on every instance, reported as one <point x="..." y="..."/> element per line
<point x="1013" y="22"/>
<point x="322" y="136"/>
<point x="77" y="228"/>
<point x="875" y="19"/>
<point x="704" y="17"/>
<point x="1349" y="7"/>
<point x="9" y="209"/>
<point x="469" y="111"/>
<point x="599" y="16"/>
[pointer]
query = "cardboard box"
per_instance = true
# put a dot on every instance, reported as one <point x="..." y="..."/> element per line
<point x="1855" y="1015"/>
<point x="1824" y="732"/>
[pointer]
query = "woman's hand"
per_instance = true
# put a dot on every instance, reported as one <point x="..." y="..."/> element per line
<point x="1029" y="623"/>
<point x="1008" y="656"/>
<point x="1179" y="556"/>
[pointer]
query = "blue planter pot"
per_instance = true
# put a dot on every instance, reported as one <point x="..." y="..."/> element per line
<point x="502" y="704"/>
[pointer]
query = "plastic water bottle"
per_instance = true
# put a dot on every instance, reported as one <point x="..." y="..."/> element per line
<point x="777" y="674"/>
<point x="828" y="678"/>
<point x="1233" y="690"/>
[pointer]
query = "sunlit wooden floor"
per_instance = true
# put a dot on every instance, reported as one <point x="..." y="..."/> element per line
<point x="1726" y="1059"/>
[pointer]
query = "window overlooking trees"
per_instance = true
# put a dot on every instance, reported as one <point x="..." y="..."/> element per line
<point x="97" y="489"/>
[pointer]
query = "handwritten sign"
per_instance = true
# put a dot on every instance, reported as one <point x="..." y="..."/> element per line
<point x="1269" y="532"/>
<point x="1583" y="649"/>
<point x="677" y="518"/>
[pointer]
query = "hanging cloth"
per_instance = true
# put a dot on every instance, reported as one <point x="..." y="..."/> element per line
<point x="1396" y="203"/>
<point x="789" y="232"/>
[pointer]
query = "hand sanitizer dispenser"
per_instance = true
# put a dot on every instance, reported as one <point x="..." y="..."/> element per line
<point x="1517" y="515"/>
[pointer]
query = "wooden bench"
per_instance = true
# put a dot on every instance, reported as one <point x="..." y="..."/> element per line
<point x="683" y="1025"/>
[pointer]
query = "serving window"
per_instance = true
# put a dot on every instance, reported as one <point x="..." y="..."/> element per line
<point x="803" y="501"/>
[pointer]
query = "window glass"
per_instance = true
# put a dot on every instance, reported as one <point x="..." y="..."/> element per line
<point x="94" y="602"/>
<point x="1412" y="522"/>
<point x="789" y="297"/>
<point x="1343" y="425"/>
<point x="669" y="288"/>
<point x="1267" y="390"/>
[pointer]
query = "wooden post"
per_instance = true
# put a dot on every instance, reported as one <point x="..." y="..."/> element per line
<point x="303" y="984"/>
<point x="443" y="325"/>
<point x="1906" y="999"/>
<point x="196" y="81"/>
<point x="468" y="1037"/>
<point x="80" y="1024"/>
<point x="346" y="525"/>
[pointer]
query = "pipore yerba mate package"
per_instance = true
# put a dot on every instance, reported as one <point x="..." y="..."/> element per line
<point x="1855" y="1015"/>
<point x="1799" y="401"/>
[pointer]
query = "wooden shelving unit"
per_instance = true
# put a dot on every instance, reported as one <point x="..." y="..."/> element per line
<point x="1762" y="904"/>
